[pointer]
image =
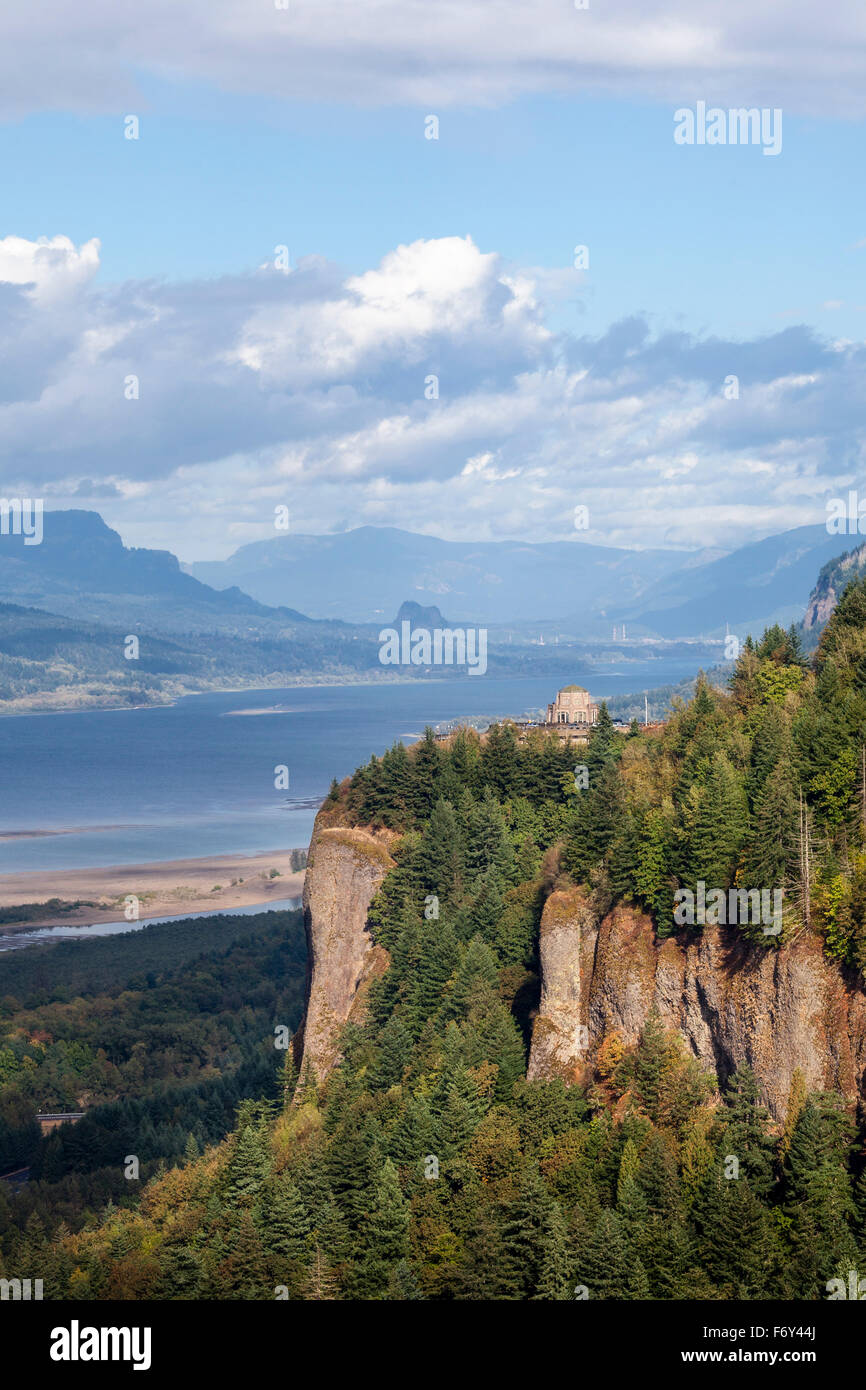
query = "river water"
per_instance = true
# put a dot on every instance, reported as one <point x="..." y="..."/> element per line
<point x="197" y="778"/>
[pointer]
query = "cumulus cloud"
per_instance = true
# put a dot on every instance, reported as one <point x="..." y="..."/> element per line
<point x="428" y="392"/>
<point x="782" y="52"/>
<point x="420" y="296"/>
<point x="51" y="267"/>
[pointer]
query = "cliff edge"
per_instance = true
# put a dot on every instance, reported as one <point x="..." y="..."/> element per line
<point x="778" y="1011"/>
<point x="344" y="870"/>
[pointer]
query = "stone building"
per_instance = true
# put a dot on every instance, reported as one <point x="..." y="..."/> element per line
<point x="572" y="706"/>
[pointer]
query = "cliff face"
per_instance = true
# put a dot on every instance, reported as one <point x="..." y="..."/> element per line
<point x="344" y="870"/>
<point x="831" y="581"/>
<point x="778" y="1011"/>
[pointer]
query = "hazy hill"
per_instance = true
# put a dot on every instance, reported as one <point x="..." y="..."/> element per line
<point x="365" y="575"/>
<point x="49" y="660"/>
<point x="83" y="569"/>
<point x="419" y="616"/>
<point x="765" y="582"/>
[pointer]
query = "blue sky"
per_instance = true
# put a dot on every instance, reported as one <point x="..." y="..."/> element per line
<point x="724" y="240"/>
<point x="151" y="261"/>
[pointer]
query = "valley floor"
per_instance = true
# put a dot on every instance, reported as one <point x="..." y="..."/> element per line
<point x="163" y="889"/>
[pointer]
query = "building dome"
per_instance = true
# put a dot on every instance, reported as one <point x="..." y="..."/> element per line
<point x="573" y="705"/>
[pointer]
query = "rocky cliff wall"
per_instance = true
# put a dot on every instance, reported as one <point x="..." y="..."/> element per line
<point x="778" y="1011"/>
<point x="344" y="870"/>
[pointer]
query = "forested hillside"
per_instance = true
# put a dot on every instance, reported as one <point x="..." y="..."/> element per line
<point x="46" y="658"/>
<point x="426" y="1166"/>
<point x="157" y="1036"/>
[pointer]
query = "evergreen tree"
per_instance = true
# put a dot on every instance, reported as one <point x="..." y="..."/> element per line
<point x="427" y="764"/>
<point x="747" y="1135"/>
<point x="248" y="1166"/>
<point x="604" y="1262"/>
<point x="440" y="853"/>
<point x="554" y="1274"/>
<point x="386" y="1235"/>
<point x="715" y="818"/>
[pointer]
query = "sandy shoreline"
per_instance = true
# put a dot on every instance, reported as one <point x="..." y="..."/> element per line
<point x="165" y="889"/>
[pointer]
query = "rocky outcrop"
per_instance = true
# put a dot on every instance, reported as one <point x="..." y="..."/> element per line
<point x="779" y="1011"/>
<point x="559" y="1035"/>
<point x="831" y="581"/>
<point x="344" y="870"/>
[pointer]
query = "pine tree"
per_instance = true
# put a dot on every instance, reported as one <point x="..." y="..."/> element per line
<point x="554" y="1275"/>
<point x="351" y="1160"/>
<point x="481" y="1274"/>
<point x="604" y="1262"/>
<point x="818" y="1199"/>
<point x="631" y="1202"/>
<point x="321" y="1285"/>
<point x="737" y="1245"/>
<point x="440" y="853"/>
<point x="285" y="1227"/>
<point x="465" y="759"/>
<point x="715" y="819"/>
<point x="747" y="1135"/>
<point x="395" y="1049"/>
<point x="488" y="844"/>
<point x="651" y="1063"/>
<point x="430" y="972"/>
<point x="386" y="1235"/>
<point x="427" y="763"/>
<point x="526" y="1238"/>
<point x="403" y="1283"/>
<point x="243" y="1274"/>
<point x="248" y="1166"/>
<point x="638" y="1289"/>
<point x="397" y="788"/>
<point x="500" y="761"/>
<point x="771" y="850"/>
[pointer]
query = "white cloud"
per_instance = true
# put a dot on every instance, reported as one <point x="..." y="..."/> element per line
<point x="309" y="389"/>
<point x="420" y="294"/>
<point x="51" y="267"/>
<point x="86" y="56"/>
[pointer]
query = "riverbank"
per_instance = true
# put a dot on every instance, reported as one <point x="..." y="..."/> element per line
<point x="86" y="700"/>
<point x="171" y="888"/>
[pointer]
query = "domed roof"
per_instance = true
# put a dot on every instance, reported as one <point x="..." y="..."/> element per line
<point x="582" y="688"/>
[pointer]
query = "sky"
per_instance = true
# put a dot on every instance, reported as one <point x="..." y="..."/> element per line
<point x="282" y="293"/>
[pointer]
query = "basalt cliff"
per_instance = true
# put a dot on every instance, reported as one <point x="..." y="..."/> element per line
<point x="344" y="869"/>
<point x="779" y="1011"/>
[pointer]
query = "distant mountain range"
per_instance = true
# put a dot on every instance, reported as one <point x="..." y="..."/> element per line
<point x="766" y="582"/>
<point x="83" y="569"/>
<point x="72" y="601"/>
<point x="68" y="604"/>
<point x="364" y="575"/>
